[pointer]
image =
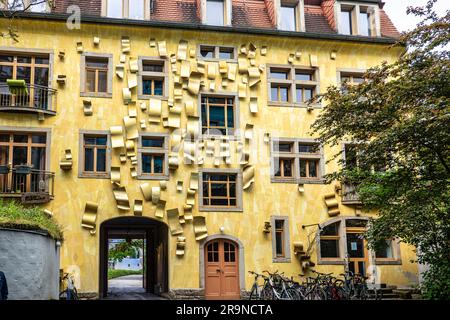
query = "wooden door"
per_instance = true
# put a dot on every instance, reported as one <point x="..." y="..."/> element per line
<point x="357" y="251"/>
<point x="221" y="270"/>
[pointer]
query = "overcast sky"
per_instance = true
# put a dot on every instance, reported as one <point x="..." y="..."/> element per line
<point x="396" y="9"/>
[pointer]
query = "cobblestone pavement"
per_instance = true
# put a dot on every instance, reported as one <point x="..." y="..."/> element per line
<point x="128" y="288"/>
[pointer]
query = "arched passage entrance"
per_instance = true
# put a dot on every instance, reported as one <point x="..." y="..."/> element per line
<point x="155" y="236"/>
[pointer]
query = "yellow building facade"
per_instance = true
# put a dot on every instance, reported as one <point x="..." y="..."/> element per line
<point x="270" y="222"/>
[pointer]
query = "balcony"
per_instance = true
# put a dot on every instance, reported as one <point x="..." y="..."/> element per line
<point x="29" y="185"/>
<point x="29" y="99"/>
<point x="349" y="194"/>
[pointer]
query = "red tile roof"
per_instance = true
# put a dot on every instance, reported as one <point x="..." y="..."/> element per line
<point x="258" y="14"/>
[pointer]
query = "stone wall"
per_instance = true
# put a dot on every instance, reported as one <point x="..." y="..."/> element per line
<point x="30" y="261"/>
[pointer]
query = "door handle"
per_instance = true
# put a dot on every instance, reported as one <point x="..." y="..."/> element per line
<point x="218" y="270"/>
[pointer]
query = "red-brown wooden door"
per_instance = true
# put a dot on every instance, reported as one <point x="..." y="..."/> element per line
<point x="221" y="270"/>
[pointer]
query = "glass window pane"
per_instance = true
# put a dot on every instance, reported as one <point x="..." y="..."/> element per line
<point x="6" y="72"/>
<point x="136" y="9"/>
<point x="219" y="202"/>
<point x="146" y="163"/>
<point x="313" y="169"/>
<point x="158" y="164"/>
<point x="218" y="190"/>
<point x="300" y="97"/>
<point x="38" y="6"/>
<point x="207" y="52"/>
<point x="279" y="224"/>
<point x="216" y="116"/>
<point x="283" y="146"/>
<point x="287" y="18"/>
<point x="355" y="245"/>
<point x="226" y="53"/>
<point x="356" y="223"/>
<point x="24" y="73"/>
<point x="302" y="75"/>
<point x="97" y="63"/>
<point x="89" y="159"/>
<point x="214" y="12"/>
<point x="205" y="189"/>
<point x="274" y="93"/>
<point x="385" y="251"/>
<point x="152" y="66"/>
<point x="284" y="92"/>
<point x="329" y="248"/>
<point x="20" y="156"/>
<point x="330" y="230"/>
<point x="279" y="74"/>
<point x="101" y="141"/>
<point x="232" y="190"/>
<point x="147" y="86"/>
<point x="101" y="160"/>
<point x="24" y="59"/>
<point x="90" y="81"/>
<point x="158" y="91"/>
<point x="4" y="137"/>
<point x="279" y="243"/>
<point x="307" y="148"/>
<point x="38" y="138"/>
<point x="152" y="142"/>
<point x="277" y="168"/>
<point x="230" y="115"/>
<point x="41" y="60"/>
<point x="41" y="76"/>
<point x="287" y="167"/>
<point x="346" y="22"/>
<point x="22" y="138"/>
<point x="303" y="168"/>
<point x="308" y="94"/>
<point x="6" y="58"/>
<point x="364" y="24"/>
<point x="102" y="81"/>
<point x="114" y="8"/>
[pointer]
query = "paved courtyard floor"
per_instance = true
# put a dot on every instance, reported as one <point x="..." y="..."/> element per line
<point x="128" y="288"/>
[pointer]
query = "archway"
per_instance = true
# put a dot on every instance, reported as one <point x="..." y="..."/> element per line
<point x="154" y="234"/>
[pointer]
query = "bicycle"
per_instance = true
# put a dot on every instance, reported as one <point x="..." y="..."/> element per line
<point x="70" y="292"/>
<point x="255" y="293"/>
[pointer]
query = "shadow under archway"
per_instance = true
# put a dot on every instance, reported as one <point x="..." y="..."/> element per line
<point x="156" y="264"/>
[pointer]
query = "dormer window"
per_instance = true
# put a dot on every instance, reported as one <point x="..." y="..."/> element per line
<point x="126" y="9"/>
<point x="290" y="15"/>
<point x="288" y="19"/>
<point x="215" y="12"/>
<point x="358" y="19"/>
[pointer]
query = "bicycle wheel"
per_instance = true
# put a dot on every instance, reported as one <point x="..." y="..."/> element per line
<point x="254" y="294"/>
<point x="294" y="294"/>
<point x="267" y="293"/>
<point x="318" y="294"/>
<point x="74" y="294"/>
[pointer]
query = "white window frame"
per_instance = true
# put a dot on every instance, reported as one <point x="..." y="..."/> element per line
<point x="356" y="8"/>
<point x="125" y="9"/>
<point x="227" y="11"/>
<point x="299" y="6"/>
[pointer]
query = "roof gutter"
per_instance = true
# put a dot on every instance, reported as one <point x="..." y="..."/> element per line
<point x="195" y="26"/>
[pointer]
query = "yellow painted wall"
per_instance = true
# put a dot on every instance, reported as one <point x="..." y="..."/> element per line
<point x="80" y="250"/>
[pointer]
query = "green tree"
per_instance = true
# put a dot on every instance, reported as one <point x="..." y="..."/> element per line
<point x="400" y="121"/>
<point x="125" y="249"/>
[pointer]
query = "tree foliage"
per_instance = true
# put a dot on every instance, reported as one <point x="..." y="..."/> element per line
<point x="125" y="249"/>
<point x="400" y="121"/>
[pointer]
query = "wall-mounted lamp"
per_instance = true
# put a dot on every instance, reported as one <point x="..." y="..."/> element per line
<point x="222" y="229"/>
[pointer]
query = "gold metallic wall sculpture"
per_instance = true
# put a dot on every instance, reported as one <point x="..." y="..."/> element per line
<point x="117" y="137"/>
<point x="120" y="194"/>
<point x="160" y="208"/>
<point x="248" y="177"/>
<point x="181" y="245"/>
<point x="87" y="108"/>
<point x="146" y="189"/>
<point x="67" y="162"/>
<point x="89" y="218"/>
<point x="200" y="230"/>
<point x="332" y="204"/>
<point x="131" y="128"/>
<point x="115" y="175"/>
<point x="174" y="222"/>
<point x="138" y="207"/>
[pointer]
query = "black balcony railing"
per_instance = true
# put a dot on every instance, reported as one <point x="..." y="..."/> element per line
<point x="349" y="194"/>
<point x="32" y="186"/>
<point x="35" y="98"/>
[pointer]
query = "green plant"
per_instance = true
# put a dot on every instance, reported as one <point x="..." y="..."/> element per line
<point x="17" y="216"/>
<point x="120" y="273"/>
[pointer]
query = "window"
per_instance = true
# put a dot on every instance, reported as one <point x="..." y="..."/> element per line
<point x="352" y="78"/>
<point x="217" y="115"/>
<point x="95" y="154"/>
<point x="215" y="12"/>
<point x="279" y="238"/>
<point x="220" y="190"/>
<point x="288" y="17"/>
<point x="153" y="153"/>
<point x="346" y="22"/>
<point x="34" y="70"/>
<point x="207" y="52"/>
<point x="127" y="9"/>
<point x="358" y="20"/>
<point x="292" y="85"/>
<point x="153" y="78"/>
<point x="385" y="251"/>
<point x="297" y="161"/>
<point x="38" y="5"/>
<point x="329" y="241"/>
<point x="281" y="251"/>
<point x="96" y="75"/>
